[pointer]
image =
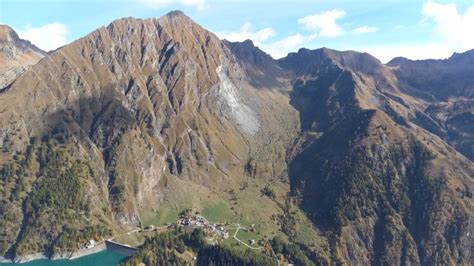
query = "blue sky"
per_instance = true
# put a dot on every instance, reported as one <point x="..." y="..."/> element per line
<point x="410" y="28"/>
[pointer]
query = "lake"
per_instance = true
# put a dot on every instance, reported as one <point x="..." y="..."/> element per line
<point x="103" y="258"/>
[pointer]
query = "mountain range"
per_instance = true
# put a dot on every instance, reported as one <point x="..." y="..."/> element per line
<point x="353" y="161"/>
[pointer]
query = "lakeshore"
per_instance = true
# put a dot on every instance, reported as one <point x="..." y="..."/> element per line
<point x="101" y="258"/>
<point x="111" y="250"/>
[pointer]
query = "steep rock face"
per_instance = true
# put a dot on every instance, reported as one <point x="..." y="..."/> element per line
<point x="15" y="55"/>
<point x="379" y="184"/>
<point x="436" y="79"/>
<point x="260" y="68"/>
<point x="447" y="88"/>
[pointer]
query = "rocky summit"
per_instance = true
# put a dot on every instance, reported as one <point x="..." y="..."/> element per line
<point x="15" y="55"/>
<point x="326" y="157"/>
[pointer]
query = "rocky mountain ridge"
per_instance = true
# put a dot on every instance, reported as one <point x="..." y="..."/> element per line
<point x="15" y="55"/>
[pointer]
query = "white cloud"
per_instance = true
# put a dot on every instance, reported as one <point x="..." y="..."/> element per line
<point x="324" y="24"/>
<point x="199" y="4"/>
<point x="245" y="33"/>
<point x="364" y="30"/>
<point x="451" y="27"/>
<point x="292" y="43"/>
<point x="47" y="37"/>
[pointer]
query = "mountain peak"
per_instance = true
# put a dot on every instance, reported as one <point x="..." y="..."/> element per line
<point x="467" y="56"/>
<point x="397" y="60"/>
<point x="15" y="55"/>
<point x="248" y="43"/>
<point x="176" y="13"/>
<point x="179" y="20"/>
<point x="7" y="34"/>
<point x="248" y="50"/>
<point x="8" y="37"/>
<point x="259" y="66"/>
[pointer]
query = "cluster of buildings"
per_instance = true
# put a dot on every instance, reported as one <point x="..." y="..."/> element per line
<point x="198" y="221"/>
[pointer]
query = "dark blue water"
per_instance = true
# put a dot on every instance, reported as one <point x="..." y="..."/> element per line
<point x="103" y="258"/>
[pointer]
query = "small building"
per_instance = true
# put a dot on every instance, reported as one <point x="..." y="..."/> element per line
<point x="91" y="244"/>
